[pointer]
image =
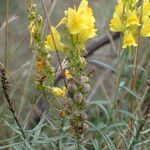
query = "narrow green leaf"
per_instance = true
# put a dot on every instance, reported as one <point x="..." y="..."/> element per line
<point x="108" y="141"/>
<point x="102" y="65"/>
<point x="133" y="93"/>
<point x="127" y="114"/>
<point x="10" y="145"/>
<point x="95" y="144"/>
<point x="100" y="104"/>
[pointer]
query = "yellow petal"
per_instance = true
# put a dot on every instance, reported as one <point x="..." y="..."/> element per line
<point x="73" y="21"/>
<point x="146" y="8"/>
<point x="116" y="24"/>
<point x="67" y="74"/>
<point x="146" y="28"/>
<point x="132" y="19"/>
<point x="49" y="43"/>
<point x="129" y="40"/>
<point x="86" y="34"/>
<point x="58" y="91"/>
<point x="83" y="5"/>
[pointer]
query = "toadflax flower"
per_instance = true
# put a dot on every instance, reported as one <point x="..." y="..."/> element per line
<point x="81" y="21"/>
<point x="146" y="9"/>
<point x="49" y="43"/>
<point x="132" y="19"/>
<point x="58" y="91"/>
<point x="126" y="20"/>
<point x="67" y="74"/>
<point x="129" y="40"/>
<point x="116" y="24"/>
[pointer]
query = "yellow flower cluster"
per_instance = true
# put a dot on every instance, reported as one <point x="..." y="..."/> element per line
<point x="79" y="22"/>
<point x="67" y="74"/>
<point x="58" y="91"/>
<point x="126" y="19"/>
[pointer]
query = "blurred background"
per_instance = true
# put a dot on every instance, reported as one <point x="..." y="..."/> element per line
<point x="20" y="58"/>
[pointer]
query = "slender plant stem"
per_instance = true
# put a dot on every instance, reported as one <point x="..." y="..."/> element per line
<point x="9" y="101"/>
<point x="115" y="104"/>
<point x="119" y="78"/>
<point x="135" y="113"/>
<point x="56" y="49"/>
<point x="6" y="32"/>
<point x="21" y="91"/>
<point x="136" y="58"/>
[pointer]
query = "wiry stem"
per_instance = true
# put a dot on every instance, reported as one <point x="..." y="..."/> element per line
<point x="6" y="33"/>
<point x="56" y="49"/>
<point x="139" y="107"/>
<point x="134" y="72"/>
<point x="9" y="101"/>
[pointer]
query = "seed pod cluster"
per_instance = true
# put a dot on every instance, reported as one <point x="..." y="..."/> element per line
<point x="76" y="104"/>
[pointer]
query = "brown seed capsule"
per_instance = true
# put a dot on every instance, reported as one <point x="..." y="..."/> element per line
<point x="83" y="116"/>
<point x="84" y="103"/>
<point x="86" y="87"/>
<point x="68" y="102"/>
<point x="78" y="97"/>
<point x="148" y="82"/>
<point x="71" y="87"/>
<point x="84" y="79"/>
<point x="85" y="127"/>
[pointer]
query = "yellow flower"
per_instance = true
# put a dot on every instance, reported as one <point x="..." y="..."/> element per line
<point x="129" y="40"/>
<point x="119" y="8"/>
<point x="81" y="21"/>
<point x="58" y="91"/>
<point x="132" y="19"/>
<point x="67" y="74"/>
<point x="145" y="31"/>
<point x="116" y="24"/>
<point x="146" y="8"/>
<point x="74" y="21"/>
<point x="49" y="43"/>
<point x="86" y="34"/>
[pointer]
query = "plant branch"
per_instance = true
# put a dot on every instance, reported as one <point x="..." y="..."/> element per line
<point x="56" y="49"/>
<point x="9" y="101"/>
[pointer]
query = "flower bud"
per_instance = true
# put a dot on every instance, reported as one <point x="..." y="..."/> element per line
<point x="71" y="87"/>
<point x="78" y="97"/>
<point x="83" y="116"/>
<point x="84" y="79"/>
<point x="84" y="104"/>
<point x="86" y="87"/>
<point x="85" y="127"/>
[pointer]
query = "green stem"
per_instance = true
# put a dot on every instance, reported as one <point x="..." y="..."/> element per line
<point x="125" y="54"/>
